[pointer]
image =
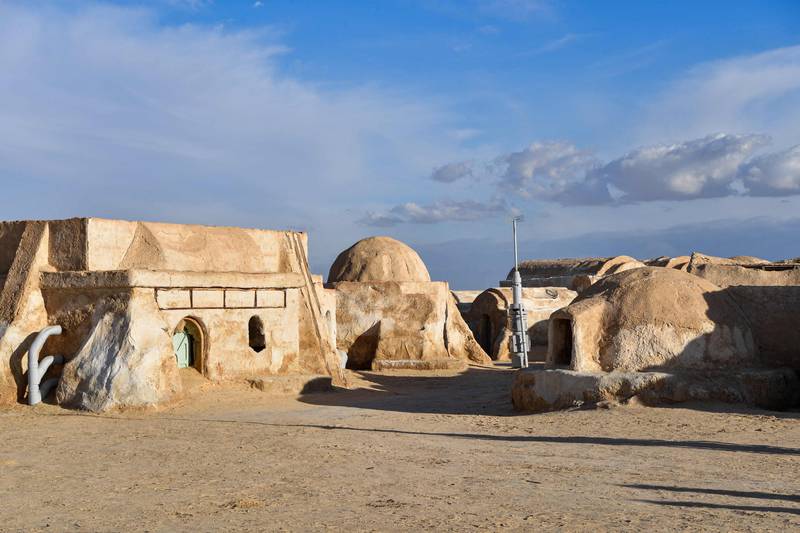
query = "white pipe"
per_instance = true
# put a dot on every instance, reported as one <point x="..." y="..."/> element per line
<point x="518" y="343"/>
<point x="45" y="363"/>
<point x="36" y="369"/>
<point x="47" y="386"/>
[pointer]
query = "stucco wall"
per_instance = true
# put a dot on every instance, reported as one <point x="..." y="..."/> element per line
<point x="489" y="314"/>
<point x="93" y="267"/>
<point x="227" y="354"/>
<point x="114" y="244"/>
<point x="401" y="321"/>
<point x="770" y="299"/>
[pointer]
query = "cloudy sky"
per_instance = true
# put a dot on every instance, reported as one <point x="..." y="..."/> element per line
<point x="633" y="127"/>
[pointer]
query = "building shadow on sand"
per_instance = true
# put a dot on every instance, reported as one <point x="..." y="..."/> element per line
<point x="476" y="391"/>
<point x="697" y="494"/>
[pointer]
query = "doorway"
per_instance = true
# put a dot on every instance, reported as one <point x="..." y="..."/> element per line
<point x="561" y="341"/>
<point x="485" y="336"/>
<point x="187" y="341"/>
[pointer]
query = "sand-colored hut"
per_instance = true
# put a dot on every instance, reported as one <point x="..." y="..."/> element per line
<point x="391" y="315"/>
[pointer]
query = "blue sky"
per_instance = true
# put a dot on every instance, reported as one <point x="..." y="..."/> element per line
<point x="645" y="128"/>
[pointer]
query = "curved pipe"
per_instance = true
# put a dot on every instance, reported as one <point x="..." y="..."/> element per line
<point x="47" y="386"/>
<point x="45" y="363"/>
<point x="35" y="371"/>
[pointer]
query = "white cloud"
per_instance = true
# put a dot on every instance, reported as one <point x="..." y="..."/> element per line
<point x="776" y="174"/>
<point x="443" y="211"/>
<point x="454" y="171"/>
<point x="544" y="169"/>
<point x="759" y="92"/>
<point x="557" y="44"/>
<point x="700" y="168"/>
<point x="107" y="112"/>
<point x="710" y="167"/>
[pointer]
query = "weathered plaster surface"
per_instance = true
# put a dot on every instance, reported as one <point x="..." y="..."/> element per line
<point x="491" y="308"/>
<point x="119" y="289"/>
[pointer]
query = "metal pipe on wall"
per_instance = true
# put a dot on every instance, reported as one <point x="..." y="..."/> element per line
<point x="37" y="369"/>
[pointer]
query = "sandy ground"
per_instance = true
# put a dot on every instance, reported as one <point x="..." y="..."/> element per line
<point x="406" y="452"/>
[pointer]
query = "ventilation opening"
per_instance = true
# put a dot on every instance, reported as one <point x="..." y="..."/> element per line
<point x="331" y="326"/>
<point x="188" y="343"/>
<point x="485" y="336"/>
<point x="255" y="329"/>
<point x="562" y="341"/>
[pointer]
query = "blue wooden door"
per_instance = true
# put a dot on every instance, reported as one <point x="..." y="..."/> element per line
<point x="182" y="344"/>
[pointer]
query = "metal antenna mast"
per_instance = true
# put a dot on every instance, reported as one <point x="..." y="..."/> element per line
<point x="519" y="342"/>
<point x="516" y="255"/>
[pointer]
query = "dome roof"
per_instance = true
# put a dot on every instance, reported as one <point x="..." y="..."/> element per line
<point x="655" y="317"/>
<point x="378" y="259"/>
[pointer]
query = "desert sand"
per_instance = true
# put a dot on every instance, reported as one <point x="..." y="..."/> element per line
<point x="405" y="451"/>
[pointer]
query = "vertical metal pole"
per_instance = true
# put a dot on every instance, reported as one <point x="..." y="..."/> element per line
<point x="516" y="255"/>
<point x="518" y="343"/>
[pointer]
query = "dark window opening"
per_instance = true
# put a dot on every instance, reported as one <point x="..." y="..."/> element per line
<point x="255" y="329"/>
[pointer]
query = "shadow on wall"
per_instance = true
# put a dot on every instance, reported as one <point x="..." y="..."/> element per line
<point x="362" y="352"/>
<point x="724" y="347"/>
<point x="17" y="371"/>
<point x="774" y="316"/>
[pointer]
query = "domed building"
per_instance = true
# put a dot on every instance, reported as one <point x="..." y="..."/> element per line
<point x="651" y="318"/>
<point x="575" y="274"/>
<point x="378" y="259"/>
<point x="488" y="318"/>
<point x="389" y="314"/>
<point x="659" y="335"/>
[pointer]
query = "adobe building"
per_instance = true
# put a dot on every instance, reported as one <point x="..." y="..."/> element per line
<point x="488" y="318"/>
<point x="573" y="274"/>
<point x="389" y="314"/>
<point x="464" y="300"/>
<point x="768" y="294"/>
<point x="143" y="303"/>
<point x="665" y="335"/>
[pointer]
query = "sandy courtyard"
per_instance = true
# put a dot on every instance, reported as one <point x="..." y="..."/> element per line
<point x="404" y="452"/>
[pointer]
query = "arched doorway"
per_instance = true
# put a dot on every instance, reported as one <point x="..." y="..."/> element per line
<point x="188" y="341"/>
<point x="485" y="336"/>
<point x="561" y="342"/>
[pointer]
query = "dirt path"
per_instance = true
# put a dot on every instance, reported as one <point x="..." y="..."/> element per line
<point x="441" y="452"/>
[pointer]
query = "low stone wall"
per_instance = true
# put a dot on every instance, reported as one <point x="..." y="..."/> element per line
<point x="550" y="390"/>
